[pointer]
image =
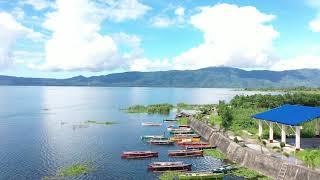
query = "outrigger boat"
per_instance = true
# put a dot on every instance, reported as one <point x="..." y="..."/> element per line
<point x="170" y="120"/>
<point x="223" y="169"/>
<point x="179" y="128"/>
<point x="153" y="137"/>
<point x="169" y="166"/>
<point x="186" y="136"/>
<point x="200" y="176"/>
<point x="185" y="139"/>
<point x="139" y="154"/>
<point x="161" y="142"/>
<point x="201" y="147"/>
<point x="192" y="144"/>
<point x="150" y="124"/>
<point x="181" y="131"/>
<point x="185" y="153"/>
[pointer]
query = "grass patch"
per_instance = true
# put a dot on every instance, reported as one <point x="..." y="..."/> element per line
<point x="75" y="170"/>
<point x="182" y="121"/>
<point x="214" y="153"/>
<point x="311" y="157"/>
<point x="151" y="109"/>
<point x="248" y="174"/>
<point x="104" y="122"/>
<point x="169" y="175"/>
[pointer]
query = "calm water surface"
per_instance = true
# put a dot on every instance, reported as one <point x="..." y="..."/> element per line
<point x="39" y="132"/>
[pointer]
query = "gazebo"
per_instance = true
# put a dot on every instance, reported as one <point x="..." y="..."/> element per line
<point x="292" y="116"/>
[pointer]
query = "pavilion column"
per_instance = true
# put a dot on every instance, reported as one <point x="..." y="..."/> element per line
<point x="271" y="132"/>
<point x="298" y="129"/>
<point x="260" y="128"/>
<point x="283" y="133"/>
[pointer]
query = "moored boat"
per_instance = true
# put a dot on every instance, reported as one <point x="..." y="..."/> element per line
<point x="201" y="147"/>
<point x="150" y="124"/>
<point x="169" y="166"/>
<point x="173" y="128"/>
<point x="185" y="139"/>
<point x="139" y="154"/>
<point x="161" y="142"/>
<point x="223" y="169"/>
<point x="185" y="153"/>
<point x="186" y="136"/>
<point x="170" y="120"/>
<point x="200" y="175"/>
<point x="153" y="137"/>
<point x="192" y="144"/>
<point x="181" y="131"/>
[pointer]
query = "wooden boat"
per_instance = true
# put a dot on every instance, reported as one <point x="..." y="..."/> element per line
<point x="201" y="147"/>
<point x="170" y="120"/>
<point x="185" y="153"/>
<point x="223" y="169"/>
<point x="200" y="176"/>
<point x="161" y="142"/>
<point x="169" y="166"/>
<point x="139" y="154"/>
<point x="153" y="137"/>
<point x="186" y="135"/>
<point x="182" y="128"/>
<point x="185" y="139"/>
<point x="193" y="144"/>
<point x="150" y="124"/>
<point x="181" y="131"/>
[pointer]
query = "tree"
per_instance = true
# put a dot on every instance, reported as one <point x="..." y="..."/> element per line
<point x="225" y="112"/>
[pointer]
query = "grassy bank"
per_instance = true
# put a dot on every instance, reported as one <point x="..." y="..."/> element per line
<point x="169" y="176"/>
<point x="248" y="174"/>
<point x="311" y="157"/>
<point x="182" y="121"/>
<point x="214" y="153"/>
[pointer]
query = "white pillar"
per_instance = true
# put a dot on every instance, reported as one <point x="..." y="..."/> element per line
<point x="283" y="133"/>
<point x="271" y="132"/>
<point x="298" y="129"/>
<point x="260" y="128"/>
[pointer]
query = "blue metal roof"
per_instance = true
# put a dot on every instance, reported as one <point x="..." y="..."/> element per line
<point x="292" y="115"/>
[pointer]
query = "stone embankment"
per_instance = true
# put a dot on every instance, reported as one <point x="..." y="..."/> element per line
<point x="266" y="165"/>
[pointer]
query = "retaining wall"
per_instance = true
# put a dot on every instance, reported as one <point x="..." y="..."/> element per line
<point x="266" y="165"/>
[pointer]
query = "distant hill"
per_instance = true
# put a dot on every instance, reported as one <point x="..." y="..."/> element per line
<point x="212" y="77"/>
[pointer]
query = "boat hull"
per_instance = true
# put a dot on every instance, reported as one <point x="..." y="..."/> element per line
<point x="140" y="155"/>
<point x="178" y="168"/>
<point x="185" y="153"/>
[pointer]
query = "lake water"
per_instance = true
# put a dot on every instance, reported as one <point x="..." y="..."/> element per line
<point x="39" y="132"/>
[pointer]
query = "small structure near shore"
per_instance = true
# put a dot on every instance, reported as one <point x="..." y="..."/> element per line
<point x="292" y="116"/>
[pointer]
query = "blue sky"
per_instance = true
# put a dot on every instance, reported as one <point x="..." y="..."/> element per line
<point x="93" y="37"/>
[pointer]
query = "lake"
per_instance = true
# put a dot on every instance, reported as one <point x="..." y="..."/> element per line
<point x="40" y="132"/>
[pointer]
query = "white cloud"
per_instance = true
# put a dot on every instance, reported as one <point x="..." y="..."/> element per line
<point x="120" y="10"/>
<point x="10" y="31"/>
<point x="315" y="25"/>
<point x="144" y="64"/>
<point x="76" y="43"/>
<point x="128" y="40"/>
<point x="305" y="61"/>
<point x="162" y="21"/>
<point x="38" y="4"/>
<point x="233" y="36"/>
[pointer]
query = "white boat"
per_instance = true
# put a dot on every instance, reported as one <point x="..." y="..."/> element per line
<point x="150" y="124"/>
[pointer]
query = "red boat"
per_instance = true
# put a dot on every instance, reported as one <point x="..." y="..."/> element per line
<point x="139" y="154"/>
<point x="193" y="144"/>
<point x="185" y="153"/>
<point x="169" y="166"/>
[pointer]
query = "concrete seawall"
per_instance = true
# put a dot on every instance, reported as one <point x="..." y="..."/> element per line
<point x="266" y="165"/>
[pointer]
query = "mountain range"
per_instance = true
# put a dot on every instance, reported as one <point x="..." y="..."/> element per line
<point x="211" y="77"/>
